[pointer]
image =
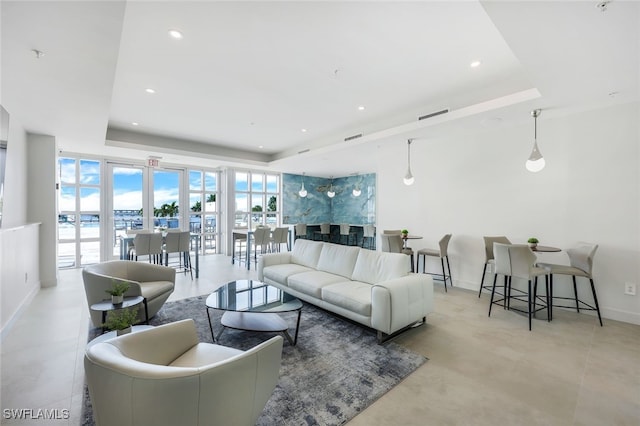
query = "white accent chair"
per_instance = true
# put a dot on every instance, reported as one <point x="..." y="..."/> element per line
<point x="165" y="376"/>
<point x="153" y="282"/>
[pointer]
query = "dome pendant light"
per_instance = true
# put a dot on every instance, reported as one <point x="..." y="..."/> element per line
<point x="303" y="192"/>
<point x="536" y="162"/>
<point x="356" y="189"/>
<point x="408" y="178"/>
<point x="331" y="193"/>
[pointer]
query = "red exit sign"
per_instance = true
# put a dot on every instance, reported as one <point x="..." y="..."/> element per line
<point x="153" y="162"/>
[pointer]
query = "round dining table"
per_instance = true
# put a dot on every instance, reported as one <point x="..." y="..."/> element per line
<point x="545" y="249"/>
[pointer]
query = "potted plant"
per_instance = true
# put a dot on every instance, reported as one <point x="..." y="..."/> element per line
<point x="121" y="320"/>
<point x="533" y="242"/>
<point x="117" y="291"/>
<point x="405" y="233"/>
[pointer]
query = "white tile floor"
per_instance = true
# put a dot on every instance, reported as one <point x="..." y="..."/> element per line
<point x="481" y="370"/>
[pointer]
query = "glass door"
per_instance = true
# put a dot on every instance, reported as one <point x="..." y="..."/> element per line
<point x="166" y="199"/>
<point x="126" y="206"/>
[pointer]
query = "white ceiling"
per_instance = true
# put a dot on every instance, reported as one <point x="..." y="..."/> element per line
<point x="248" y="76"/>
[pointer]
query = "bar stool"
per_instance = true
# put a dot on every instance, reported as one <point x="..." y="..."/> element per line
<point x="369" y="236"/>
<point x="324" y="232"/>
<point x="345" y="231"/>
<point x="301" y="231"/>
<point x="488" y="257"/>
<point x="442" y="254"/>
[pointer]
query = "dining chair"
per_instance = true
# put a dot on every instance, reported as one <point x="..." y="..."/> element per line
<point x="140" y="246"/>
<point x="155" y="247"/>
<point x="580" y="265"/>
<point x="280" y="236"/>
<point x="301" y="231"/>
<point x="369" y="237"/>
<point x="523" y="262"/>
<point x="171" y="245"/>
<point x="488" y="258"/>
<point x="346" y="232"/>
<point x="261" y="240"/>
<point x="324" y="233"/>
<point x="393" y="243"/>
<point x="185" y="251"/>
<point x="442" y="253"/>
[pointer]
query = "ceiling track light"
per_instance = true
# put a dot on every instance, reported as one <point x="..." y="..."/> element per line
<point x="536" y="162"/>
<point x="303" y="192"/>
<point x="408" y="178"/>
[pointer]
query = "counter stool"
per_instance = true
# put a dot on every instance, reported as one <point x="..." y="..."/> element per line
<point x="369" y="237"/>
<point x="345" y="231"/>
<point x="489" y="258"/>
<point x="442" y="254"/>
<point x="324" y="233"/>
<point x="301" y="231"/>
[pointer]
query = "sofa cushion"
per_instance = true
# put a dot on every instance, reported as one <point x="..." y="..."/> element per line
<point x="338" y="259"/>
<point x="306" y="253"/>
<point x="311" y="282"/>
<point x="354" y="296"/>
<point x="153" y="289"/>
<point x="280" y="273"/>
<point x="374" y="266"/>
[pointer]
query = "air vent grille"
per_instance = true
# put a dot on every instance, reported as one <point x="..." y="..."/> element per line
<point x="433" y="114"/>
<point x="350" y="138"/>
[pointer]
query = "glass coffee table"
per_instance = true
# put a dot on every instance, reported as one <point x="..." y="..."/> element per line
<point x="252" y="305"/>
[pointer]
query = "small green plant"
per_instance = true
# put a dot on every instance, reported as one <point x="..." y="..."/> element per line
<point x="118" y="288"/>
<point x="404" y="231"/>
<point x="121" y="319"/>
<point x="532" y="240"/>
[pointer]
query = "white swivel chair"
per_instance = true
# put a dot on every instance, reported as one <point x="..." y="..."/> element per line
<point x="165" y="376"/>
<point x="581" y="265"/>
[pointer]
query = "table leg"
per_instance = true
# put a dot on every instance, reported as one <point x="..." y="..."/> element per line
<point x="295" y="339"/>
<point x="249" y="251"/>
<point x="210" y="326"/>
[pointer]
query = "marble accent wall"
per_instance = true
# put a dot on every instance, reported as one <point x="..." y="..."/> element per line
<point x="317" y="207"/>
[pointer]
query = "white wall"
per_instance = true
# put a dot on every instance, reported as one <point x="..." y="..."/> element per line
<point x="19" y="256"/>
<point x="477" y="185"/>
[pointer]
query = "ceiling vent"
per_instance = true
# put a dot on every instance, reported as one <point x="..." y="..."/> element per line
<point x="350" y="138"/>
<point x="433" y="114"/>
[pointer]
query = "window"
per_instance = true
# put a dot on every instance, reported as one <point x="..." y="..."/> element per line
<point x="256" y="199"/>
<point x="204" y="201"/>
<point x="79" y="218"/>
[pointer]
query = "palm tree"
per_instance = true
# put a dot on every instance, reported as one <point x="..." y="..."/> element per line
<point x="197" y="207"/>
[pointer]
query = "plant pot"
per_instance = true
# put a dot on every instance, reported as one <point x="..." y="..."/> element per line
<point x="123" y="331"/>
<point x="533" y="245"/>
<point x="116" y="300"/>
<point x="405" y="236"/>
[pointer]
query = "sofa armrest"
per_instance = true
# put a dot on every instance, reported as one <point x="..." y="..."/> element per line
<point x="270" y="259"/>
<point x="399" y="302"/>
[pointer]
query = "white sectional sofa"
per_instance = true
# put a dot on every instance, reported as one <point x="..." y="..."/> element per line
<point x="373" y="288"/>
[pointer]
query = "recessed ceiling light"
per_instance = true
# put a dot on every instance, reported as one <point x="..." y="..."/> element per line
<point x="135" y="123"/>
<point x="361" y="108"/>
<point x="175" y="34"/>
<point x="303" y="130"/>
<point x="475" y="64"/>
<point x="149" y="90"/>
<point x="260" y="146"/>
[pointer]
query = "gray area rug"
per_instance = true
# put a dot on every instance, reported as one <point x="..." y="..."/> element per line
<point x="335" y="371"/>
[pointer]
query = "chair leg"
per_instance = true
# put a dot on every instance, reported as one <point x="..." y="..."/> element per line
<point x="546" y="281"/>
<point x="450" y="275"/>
<point x="575" y="293"/>
<point x="529" y="304"/>
<point x="550" y="298"/>
<point x="595" y="299"/>
<point x="444" y="277"/>
<point x="493" y="292"/>
<point x="484" y="271"/>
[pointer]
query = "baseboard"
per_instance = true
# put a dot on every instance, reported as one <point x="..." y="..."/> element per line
<point x="607" y="313"/>
<point x="23" y="305"/>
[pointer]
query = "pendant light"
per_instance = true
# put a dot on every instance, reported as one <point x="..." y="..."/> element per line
<point x="536" y="162"/>
<point x="356" y="190"/>
<point x="408" y="178"/>
<point x="331" y="193"/>
<point x="303" y="192"/>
